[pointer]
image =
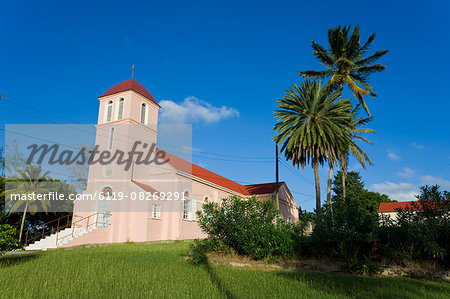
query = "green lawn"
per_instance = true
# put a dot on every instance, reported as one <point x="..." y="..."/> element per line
<point x="159" y="269"/>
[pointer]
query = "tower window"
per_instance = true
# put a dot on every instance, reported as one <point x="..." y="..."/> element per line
<point x="120" y="109"/>
<point x="143" y="113"/>
<point x="109" y="107"/>
<point x="111" y="138"/>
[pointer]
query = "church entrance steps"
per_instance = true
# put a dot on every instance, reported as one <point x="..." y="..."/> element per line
<point x="79" y="228"/>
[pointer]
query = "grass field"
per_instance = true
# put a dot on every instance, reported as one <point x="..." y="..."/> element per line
<point x="159" y="270"/>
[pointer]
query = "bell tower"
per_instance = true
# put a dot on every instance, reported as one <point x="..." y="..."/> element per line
<point x="127" y="118"/>
<point x="128" y="101"/>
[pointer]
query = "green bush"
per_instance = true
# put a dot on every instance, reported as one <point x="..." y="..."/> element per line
<point x="8" y="238"/>
<point x="198" y="250"/>
<point x="250" y="227"/>
<point x="344" y="231"/>
<point x="350" y="231"/>
<point x="421" y="233"/>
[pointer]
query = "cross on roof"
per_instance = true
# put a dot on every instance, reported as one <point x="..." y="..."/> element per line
<point x="132" y="71"/>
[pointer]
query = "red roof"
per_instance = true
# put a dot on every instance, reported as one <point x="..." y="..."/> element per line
<point x="147" y="188"/>
<point x="214" y="178"/>
<point x="386" y="207"/>
<point x="130" y="84"/>
<point x="267" y="188"/>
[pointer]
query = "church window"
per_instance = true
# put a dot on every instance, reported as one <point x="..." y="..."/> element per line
<point x="206" y="199"/>
<point x="120" y="109"/>
<point x="109" y="107"/>
<point x="156" y="211"/>
<point x="107" y="192"/>
<point x="143" y="113"/>
<point x="187" y="205"/>
<point x="111" y="138"/>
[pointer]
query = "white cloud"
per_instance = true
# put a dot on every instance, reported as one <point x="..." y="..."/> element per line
<point x="192" y="110"/>
<point x="416" y="145"/>
<point x="431" y="180"/>
<point x="355" y="167"/>
<point x="394" y="157"/>
<point x="399" y="192"/>
<point x="406" y="173"/>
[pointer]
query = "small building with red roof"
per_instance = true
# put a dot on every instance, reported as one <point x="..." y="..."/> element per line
<point x="391" y="209"/>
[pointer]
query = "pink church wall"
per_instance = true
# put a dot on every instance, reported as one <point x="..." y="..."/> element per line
<point x="134" y="223"/>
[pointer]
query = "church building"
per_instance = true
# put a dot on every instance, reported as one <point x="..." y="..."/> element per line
<point x="158" y="202"/>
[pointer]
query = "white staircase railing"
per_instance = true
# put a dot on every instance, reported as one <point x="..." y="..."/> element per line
<point x="78" y="228"/>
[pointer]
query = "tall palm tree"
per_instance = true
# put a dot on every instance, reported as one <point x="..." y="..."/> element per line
<point x="354" y="149"/>
<point x="31" y="180"/>
<point x="312" y="126"/>
<point x="345" y="62"/>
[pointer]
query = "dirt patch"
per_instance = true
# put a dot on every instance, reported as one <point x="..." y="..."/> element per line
<point x="238" y="261"/>
<point x="315" y="265"/>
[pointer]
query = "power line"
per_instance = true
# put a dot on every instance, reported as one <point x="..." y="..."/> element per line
<point x="296" y="173"/>
<point x="262" y="158"/>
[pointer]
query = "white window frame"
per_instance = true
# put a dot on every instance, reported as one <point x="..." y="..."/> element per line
<point x="143" y="104"/>
<point x="109" y="104"/>
<point x="203" y="202"/>
<point x="119" y="101"/>
<point x="156" y="211"/>
<point x="187" y="206"/>
<point x="111" y="138"/>
<point x="105" y="168"/>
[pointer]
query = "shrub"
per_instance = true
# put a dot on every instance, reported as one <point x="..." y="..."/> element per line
<point x="198" y="250"/>
<point x="343" y="231"/>
<point x="420" y="233"/>
<point x="8" y="238"/>
<point x="250" y="227"/>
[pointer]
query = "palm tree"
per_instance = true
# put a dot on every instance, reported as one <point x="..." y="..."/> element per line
<point x="31" y="181"/>
<point x="346" y="63"/>
<point x="354" y="149"/>
<point x="312" y="126"/>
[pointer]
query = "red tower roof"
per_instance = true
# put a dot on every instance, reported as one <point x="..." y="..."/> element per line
<point x="130" y="84"/>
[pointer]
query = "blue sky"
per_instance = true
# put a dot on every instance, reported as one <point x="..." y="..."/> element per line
<point x="229" y="62"/>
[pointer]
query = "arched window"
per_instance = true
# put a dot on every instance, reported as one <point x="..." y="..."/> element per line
<point x="187" y="205"/>
<point x="109" y="107"/>
<point x="205" y="201"/>
<point x="111" y="138"/>
<point x="120" y="108"/>
<point x="107" y="192"/>
<point x="143" y="113"/>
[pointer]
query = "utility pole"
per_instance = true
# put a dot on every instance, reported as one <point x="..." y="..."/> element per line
<point x="276" y="174"/>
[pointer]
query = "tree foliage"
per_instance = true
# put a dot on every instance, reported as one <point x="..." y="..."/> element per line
<point x="420" y="232"/>
<point x="250" y="227"/>
<point x="364" y="199"/>
<point x="312" y="126"/>
<point x="8" y="238"/>
<point x="346" y="62"/>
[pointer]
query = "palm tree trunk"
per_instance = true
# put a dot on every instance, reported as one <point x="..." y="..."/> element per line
<point x="23" y="221"/>
<point x="330" y="178"/>
<point x="344" y="174"/>
<point x="316" y="177"/>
